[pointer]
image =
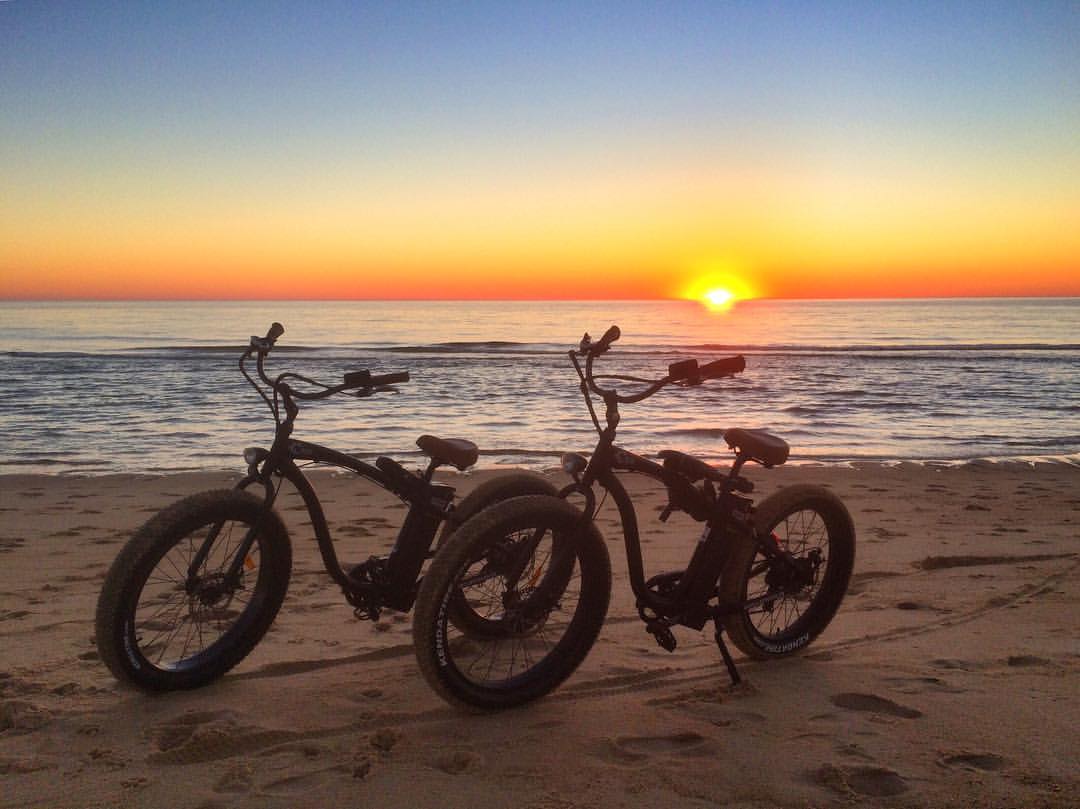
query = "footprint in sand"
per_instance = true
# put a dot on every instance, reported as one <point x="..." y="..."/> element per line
<point x="209" y="735"/>
<point x="16" y="765"/>
<point x="872" y="703"/>
<point x="638" y="748"/>
<point x="920" y="685"/>
<point x="456" y="762"/>
<point x="1026" y="660"/>
<point x="21" y="716"/>
<point x="740" y="719"/>
<point x="945" y="562"/>
<point x="306" y="782"/>
<point x="852" y="781"/>
<point x="973" y="761"/>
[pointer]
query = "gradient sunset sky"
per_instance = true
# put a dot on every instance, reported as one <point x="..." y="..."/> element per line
<point x="538" y="150"/>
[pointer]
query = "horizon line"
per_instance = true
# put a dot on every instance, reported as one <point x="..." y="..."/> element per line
<point x="1065" y="296"/>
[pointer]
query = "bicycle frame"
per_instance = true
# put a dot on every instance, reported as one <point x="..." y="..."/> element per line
<point x="430" y="503"/>
<point x="686" y="603"/>
<point x="677" y="597"/>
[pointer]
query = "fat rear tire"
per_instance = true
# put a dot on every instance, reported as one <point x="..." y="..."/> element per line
<point x="494" y="490"/>
<point x="817" y="518"/>
<point x="487" y="494"/>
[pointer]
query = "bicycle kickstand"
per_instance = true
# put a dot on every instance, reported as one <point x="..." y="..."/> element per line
<point x="724" y="653"/>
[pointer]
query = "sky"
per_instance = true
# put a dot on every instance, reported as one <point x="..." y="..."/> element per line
<point x="538" y="150"/>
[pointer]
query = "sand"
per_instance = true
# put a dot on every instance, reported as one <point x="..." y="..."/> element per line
<point x="949" y="677"/>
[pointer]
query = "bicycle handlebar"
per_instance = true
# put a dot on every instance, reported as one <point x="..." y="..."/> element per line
<point x="353" y="381"/>
<point x="687" y="372"/>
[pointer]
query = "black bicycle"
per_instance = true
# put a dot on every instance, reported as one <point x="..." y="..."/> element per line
<point x="535" y="572"/>
<point x="197" y="587"/>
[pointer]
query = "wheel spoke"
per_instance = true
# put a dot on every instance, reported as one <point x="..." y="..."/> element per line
<point x="798" y="533"/>
<point x="184" y="625"/>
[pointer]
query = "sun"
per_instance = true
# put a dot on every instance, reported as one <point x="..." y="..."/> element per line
<point x="718" y="298"/>
<point x="717" y="285"/>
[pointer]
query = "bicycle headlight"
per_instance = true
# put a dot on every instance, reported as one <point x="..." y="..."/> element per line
<point x="253" y="455"/>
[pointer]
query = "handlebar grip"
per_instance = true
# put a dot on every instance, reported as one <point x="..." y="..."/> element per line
<point x="610" y="336"/>
<point x="685" y="369"/>
<point x="263" y="344"/>
<point x="365" y="379"/>
<point x="390" y="379"/>
<point x="729" y="366"/>
<point x="358" y="379"/>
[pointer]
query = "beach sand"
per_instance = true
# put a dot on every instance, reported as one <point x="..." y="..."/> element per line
<point x="949" y="677"/>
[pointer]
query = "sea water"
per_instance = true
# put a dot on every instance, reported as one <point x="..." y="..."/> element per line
<point x="100" y="387"/>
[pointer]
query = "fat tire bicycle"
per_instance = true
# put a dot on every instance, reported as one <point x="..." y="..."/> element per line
<point x="535" y="568"/>
<point x="200" y="583"/>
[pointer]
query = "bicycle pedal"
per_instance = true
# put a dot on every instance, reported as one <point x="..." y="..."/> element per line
<point x="366" y="613"/>
<point x="665" y="638"/>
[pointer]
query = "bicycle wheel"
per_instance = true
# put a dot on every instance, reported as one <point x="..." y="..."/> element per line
<point x="510" y="565"/>
<point x="787" y="606"/>
<point x="491" y="491"/>
<point x="161" y="626"/>
<point x="495" y="490"/>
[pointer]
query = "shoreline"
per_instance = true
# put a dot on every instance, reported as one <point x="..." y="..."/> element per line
<point x="514" y="464"/>
<point x="947" y="679"/>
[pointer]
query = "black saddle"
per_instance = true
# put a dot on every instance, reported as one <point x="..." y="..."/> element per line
<point x="454" y="451"/>
<point x="765" y="448"/>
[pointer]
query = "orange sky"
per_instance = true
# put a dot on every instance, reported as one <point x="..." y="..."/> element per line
<point x="803" y="226"/>
<point x="394" y="151"/>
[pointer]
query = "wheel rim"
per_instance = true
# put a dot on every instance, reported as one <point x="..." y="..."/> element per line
<point x="175" y="626"/>
<point x="785" y="599"/>
<point x="512" y="630"/>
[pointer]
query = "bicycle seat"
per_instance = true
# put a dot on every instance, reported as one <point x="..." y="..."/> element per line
<point x="455" y="451"/>
<point x="689" y="467"/>
<point x="765" y="448"/>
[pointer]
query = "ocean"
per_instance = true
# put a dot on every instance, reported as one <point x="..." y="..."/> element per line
<point x="103" y="387"/>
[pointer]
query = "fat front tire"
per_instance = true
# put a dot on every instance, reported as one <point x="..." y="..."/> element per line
<point x="540" y="580"/>
<point x="161" y="626"/>
<point x="812" y="524"/>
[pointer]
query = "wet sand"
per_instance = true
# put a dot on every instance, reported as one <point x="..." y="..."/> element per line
<point x="948" y="679"/>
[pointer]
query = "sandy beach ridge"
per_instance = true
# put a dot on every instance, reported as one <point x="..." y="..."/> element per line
<point x="948" y="679"/>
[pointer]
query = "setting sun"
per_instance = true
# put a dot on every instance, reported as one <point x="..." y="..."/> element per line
<point x="718" y="285"/>
<point x="719" y="298"/>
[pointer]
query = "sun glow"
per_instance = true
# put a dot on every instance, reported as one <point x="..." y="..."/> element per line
<point x="717" y="286"/>
<point x="719" y="298"/>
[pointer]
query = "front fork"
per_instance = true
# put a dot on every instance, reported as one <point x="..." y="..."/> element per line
<point x="232" y="575"/>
